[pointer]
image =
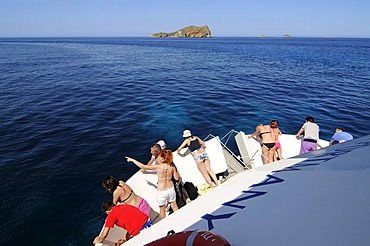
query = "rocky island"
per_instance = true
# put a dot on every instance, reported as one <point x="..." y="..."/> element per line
<point x="186" y="32"/>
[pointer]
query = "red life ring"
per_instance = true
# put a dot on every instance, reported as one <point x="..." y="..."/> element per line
<point x="191" y="238"/>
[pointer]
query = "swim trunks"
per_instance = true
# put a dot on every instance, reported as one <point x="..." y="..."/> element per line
<point x="147" y="224"/>
<point x="307" y="146"/>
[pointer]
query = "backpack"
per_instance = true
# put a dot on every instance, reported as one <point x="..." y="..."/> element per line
<point x="191" y="190"/>
<point x="180" y="197"/>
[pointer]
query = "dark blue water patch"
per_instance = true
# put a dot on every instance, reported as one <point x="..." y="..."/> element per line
<point x="73" y="108"/>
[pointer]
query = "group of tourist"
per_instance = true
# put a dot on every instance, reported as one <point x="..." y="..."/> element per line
<point x="271" y="147"/>
<point x="130" y="211"/>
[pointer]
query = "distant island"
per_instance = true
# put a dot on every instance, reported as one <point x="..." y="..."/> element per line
<point x="284" y="36"/>
<point x="186" y="32"/>
<point x="290" y="36"/>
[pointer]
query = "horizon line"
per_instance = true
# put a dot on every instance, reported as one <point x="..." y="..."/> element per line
<point x="219" y="36"/>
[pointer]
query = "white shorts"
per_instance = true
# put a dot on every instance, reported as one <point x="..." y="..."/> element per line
<point x="164" y="196"/>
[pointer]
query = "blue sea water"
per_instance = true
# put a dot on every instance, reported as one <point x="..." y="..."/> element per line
<point x="72" y="108"/>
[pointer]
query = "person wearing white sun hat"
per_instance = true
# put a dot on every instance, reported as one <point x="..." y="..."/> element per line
<point x="162" y="143"/>
<point x="197" y="148"/>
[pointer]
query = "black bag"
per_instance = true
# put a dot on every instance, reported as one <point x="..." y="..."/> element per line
<point x="180" y="198"/>
<point x="191" y="190"/>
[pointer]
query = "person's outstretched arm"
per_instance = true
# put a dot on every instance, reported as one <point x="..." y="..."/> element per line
<point x="141" y="165"/>
<point x="254" y="133"/>
<point x="102" y="236"/>
<point x="184" y="143"/>
<point x="299" y="133"/>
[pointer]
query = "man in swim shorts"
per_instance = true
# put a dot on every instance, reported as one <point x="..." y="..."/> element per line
<point x="311" y="135"/>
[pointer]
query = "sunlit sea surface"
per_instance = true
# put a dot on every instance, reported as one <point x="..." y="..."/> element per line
<point x="71" y="109"/>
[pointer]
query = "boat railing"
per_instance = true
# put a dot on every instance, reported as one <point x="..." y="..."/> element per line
<point x="235" y="163"/>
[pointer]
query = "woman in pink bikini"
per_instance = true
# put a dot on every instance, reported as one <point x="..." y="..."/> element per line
<point x="275" y="133"/>
<point x="122" y="193"/>
<point x="165" y="188"/>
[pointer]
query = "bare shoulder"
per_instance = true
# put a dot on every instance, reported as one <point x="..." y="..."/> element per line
<point x="117" y="193"/>
<point x="196" y="137"/>
<point x="124" y="185"/>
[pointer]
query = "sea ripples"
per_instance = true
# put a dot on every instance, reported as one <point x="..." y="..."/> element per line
<point x="73" y="108"/>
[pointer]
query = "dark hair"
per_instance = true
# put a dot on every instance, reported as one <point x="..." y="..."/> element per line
<point x="340" y="128"/>
<point x="110" y="183"/>
<point x="274" y="123"/>
<point x="156" y="147"/>
<point x="310" y="119"/>
<point x="107" y="205"/>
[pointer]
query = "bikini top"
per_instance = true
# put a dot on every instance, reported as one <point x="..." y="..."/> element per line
<point x="128" y="196"/>
<point x="164" y="178"/>
<point x="164" y="169"/>
<point x="194" y="145"/>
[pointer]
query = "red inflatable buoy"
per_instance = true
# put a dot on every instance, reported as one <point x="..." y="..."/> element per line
<point x="191" y="238"/>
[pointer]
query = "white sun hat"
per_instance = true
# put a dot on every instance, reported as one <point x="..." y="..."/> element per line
<point x="162" y="144"/>
<point x="186" y="133"/>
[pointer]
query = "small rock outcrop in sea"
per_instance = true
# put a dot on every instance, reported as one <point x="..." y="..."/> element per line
<point x="264" y="36"/>
<point x="186" y="32"/>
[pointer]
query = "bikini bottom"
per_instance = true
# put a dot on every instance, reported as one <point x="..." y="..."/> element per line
<point x="269" y="145"/>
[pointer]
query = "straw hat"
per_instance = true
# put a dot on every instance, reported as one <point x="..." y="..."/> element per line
<point x="186" y="133"/>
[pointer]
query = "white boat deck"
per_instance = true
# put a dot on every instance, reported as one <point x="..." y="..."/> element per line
<point x="319" y="198"/>
<point x="145" y="184"/>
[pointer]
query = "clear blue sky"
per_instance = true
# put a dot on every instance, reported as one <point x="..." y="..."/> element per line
<point x="50" y="18"/>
